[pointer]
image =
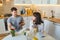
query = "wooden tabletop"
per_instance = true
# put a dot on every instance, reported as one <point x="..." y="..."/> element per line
<point x="56" y="20"/>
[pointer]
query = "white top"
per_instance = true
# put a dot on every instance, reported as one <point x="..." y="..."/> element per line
<point x="40" y="27"/>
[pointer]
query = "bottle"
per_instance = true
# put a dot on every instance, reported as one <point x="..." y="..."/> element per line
<point x="25" y="33"/>
<point x="12" y="32"/>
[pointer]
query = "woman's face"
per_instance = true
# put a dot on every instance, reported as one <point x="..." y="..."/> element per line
<point x="34" y="18"/>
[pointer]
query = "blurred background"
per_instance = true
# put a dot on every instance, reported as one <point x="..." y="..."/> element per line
<point x="47" y="8"/>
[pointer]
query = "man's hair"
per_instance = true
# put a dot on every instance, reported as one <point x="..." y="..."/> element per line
<point x="13" y="9"/>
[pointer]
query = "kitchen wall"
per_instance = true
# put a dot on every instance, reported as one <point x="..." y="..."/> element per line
<point x="46" y="10"/>
<point x="1" y="10"/>
<point x="58" y="1"/>
<point x="5" y="7"/>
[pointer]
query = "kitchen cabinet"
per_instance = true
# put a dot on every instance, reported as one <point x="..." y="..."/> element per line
<point x="35" y="2"/>
<point x="49" y="27"/>
<point x="27" y="21"/>
<point x="52" y="29"/>
<point x="57" y="31"/>
<point x="2" y="26"/>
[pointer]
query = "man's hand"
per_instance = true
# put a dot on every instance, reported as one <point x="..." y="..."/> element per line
<point x="12" y="28"/>
<point x="22" y="23"/>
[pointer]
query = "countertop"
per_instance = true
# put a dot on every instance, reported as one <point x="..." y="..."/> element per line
<point x="55" y="20"/>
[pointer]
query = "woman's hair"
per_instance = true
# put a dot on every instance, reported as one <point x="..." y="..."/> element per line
<point x="38" y="18"/>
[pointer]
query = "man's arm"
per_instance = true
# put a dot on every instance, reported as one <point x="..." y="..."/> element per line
<point x="22" y="22"/>
<point x="9" y="24"/>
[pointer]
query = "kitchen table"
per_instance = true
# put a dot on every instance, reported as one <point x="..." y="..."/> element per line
<point x="23" y="37"/>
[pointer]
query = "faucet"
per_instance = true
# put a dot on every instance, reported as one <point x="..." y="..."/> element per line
<point x="52" y="13"/>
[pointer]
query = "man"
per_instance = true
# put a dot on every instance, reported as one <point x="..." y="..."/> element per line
<point x="15" y="22"/>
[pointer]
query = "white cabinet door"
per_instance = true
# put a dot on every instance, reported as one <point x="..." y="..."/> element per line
<point x="49" y="27"/>
<point x="27" y="21"/>
<point x="57" y="31"/>
<point x="46" y="26"/>
<point x="52" y="29"/>
<point x="2" y="26"/>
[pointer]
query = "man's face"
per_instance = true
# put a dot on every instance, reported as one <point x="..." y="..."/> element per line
<point x="14" y="13"/>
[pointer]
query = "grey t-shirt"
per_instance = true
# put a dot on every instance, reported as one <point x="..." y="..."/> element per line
<point x="15" y="22"/>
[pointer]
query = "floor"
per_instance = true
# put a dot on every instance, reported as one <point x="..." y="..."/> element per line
<point x="2" y="36"/>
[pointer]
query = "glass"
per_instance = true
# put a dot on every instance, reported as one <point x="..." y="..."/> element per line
<point x="12" y="32"/>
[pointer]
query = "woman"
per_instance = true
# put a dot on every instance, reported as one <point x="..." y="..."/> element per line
<point x="37" y="22"/>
